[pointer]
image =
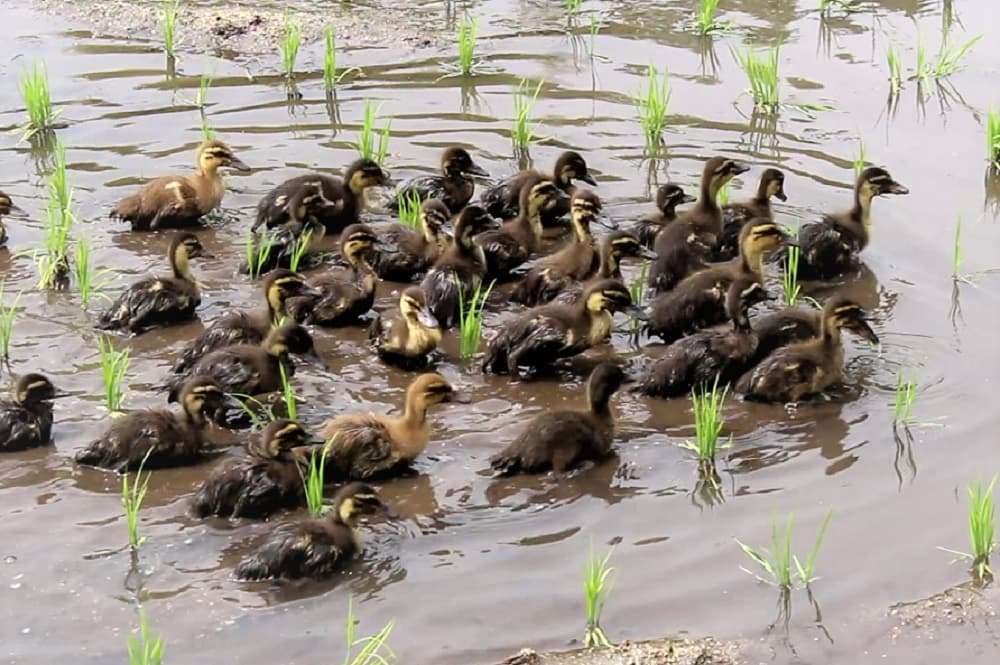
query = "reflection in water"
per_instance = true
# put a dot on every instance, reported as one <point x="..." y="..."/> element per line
<point x="552" y="490"/>
<point x="903" y="437"/>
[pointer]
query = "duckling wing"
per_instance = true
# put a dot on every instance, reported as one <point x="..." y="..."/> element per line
<point x="160" y="203"/>
<point x="403" y="256"/>
<point x="272" y="210"/>
<point x="341" y="296"/>
<point x="502" y="200"/>
<point x="826" y="251"/>
<point x="780" y="329"/>
<point x="424" y="186"/>
<point x="151" y="439"/>
<point x="20" y="429"/>
<point x="150" y="303"/>
<point x="234" y="369"/>
<point x="690" y="307"/>
<point x="362" y="448"/>
<point x="441" y="289"/>
<point x="785" y="376"/>
<point x="231" y="329"/>
<point x="551" y="441"/>
<point x="503" y="252"/>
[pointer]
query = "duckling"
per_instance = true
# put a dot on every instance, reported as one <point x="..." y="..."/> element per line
<point x="668" y="197"/>
<point x="409" y="252"/>
<point x="613" y="248"/>
<point x="560" y="440"/>
<point x="304" y="209"/>
<point x="711" y="355"/>
<point x="174" y="201"/>
<point x="342" y="200"/>
<point x="460" y="270"/>
<point x="26" y="421"/>
<point x="829" y="247"/>
<point x="6" y="208"/>
<point x="271" y="479"/>
<point x="805" y="368"/>
<point x="735" y="215"/>
<point x="454" y="186"/>
<point x="797" y="324"/>
<point x="677" y="247"/>
<point x="513" y="243"/>
<point x="406" y="340"/>
<point x="699" y="300"/>
<point x="159" y="301"/>
<point x="157" y="438"/>
<point x="318" y="547"/>
<point x="546" y="333"/>
<point x="504" y="200"/>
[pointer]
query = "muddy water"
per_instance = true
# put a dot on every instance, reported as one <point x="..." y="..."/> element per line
<point x="476" y="568"/>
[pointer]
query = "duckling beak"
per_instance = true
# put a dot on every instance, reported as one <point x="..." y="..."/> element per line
<point x="312" y="357"/>
<point x="59" y="395"/>
<point x="304" y="290"/>
<point x="636" y="312"/>
<point x="237" y="164"/>
<point x="427" y="319"/>
<point x="740" y="167"/>
<point x="14" y="211"/>
<point x="606" y="222"/>
<point x="476" y="169"/>
<point x="896" y="188"/>
<point x="687" y="198"/>
<point x="865" y="332"/>
<point x="205" y="255"/>
<point x="458" y="397"/>
<point x="646" y="253"/>
<point x="387" y="178"/>
<point x="587" y="178"/>
<point x="780" y="194"/>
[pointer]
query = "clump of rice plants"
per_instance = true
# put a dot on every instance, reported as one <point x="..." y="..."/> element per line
<point x="291" y="42"/>
<point x="993" y="137"/>
<point x="895" y="70"/>
<point x="596" y="587"/>
<point x="782" y="568"/>
<point x="288" y="394"/>
<point x="374" y="648"/>
<point x="258" y="253"/>
<point x="523" y="133"/>
<point x="707" y="406"/>
<point x="204" y="83"/>
<point x="761" y="69"/>
<point x="133" y="494"/>
<point x="366" y="145"/>
<point x="53" y="259"/>
<point x="168" y="25"/>
<point x="906" y="395"/>
<point x="705" y="22"/>
<point x="299" y="248"/>
<point x="329" y="58"/>
<point x="981" y="527"/>
<point x="7" y="315"/>
<point x="947" y="62"/>
<point x="37" y="101"/>
<point x="466" y="44"/>
<point x="114" y="364"/>
<point x="409" y="208"/>
<point x="860" y="159"/>
<point x="146" y="648"/>
<point x="790" y="276"/>
<point x="652" y="104"/>
<point x="314" y="481"/>
<point x="573" y="6"/>
<point x="88" y="279"/>
<point x="470" y="320"/>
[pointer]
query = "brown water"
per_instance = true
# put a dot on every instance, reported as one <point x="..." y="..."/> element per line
<point x="475" y="568"/>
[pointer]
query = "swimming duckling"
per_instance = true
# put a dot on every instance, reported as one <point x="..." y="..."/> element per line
<point x="345" y="295"/>
<point x="735" y="215"/>
<point x="26" y="421"/>
<point x="613" y="248"/>
<point x="829" y="247"/>
<point x="317" y="547"/>
<point x="460" y="270"/>
<point x="798" y="324"/>
<point x="275" y="247"/>
<point x="668" y="197"/>
<point x="6" y="208"/>
<point x="342" y="200"/>
<point x="504" y="200"/>
<point x="546" y="333"/>
<point x="157" y="438"/>
<point x="408" y="253"/>
<point x="406" y="339"/>
<point x="454" y="186"/>
<point x="173" y="201"/>
<point x="805" y="368"/>
<point x="560" y="440"/>
<point x="159" y="301"/>
<point x="710" y="355"/>
<point x="269" y="480"/>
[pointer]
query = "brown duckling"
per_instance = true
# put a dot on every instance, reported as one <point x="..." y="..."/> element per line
<point x="26" y="420"/>
<point x="504" y="200"/>
<point x="829" y="247"/>
<point x="406" y="339"/>
<point x="342" y="201"/>
<point x="805" y="368"/>
<point x="735" y="215"/>
<point x="797" y="324"/>
<point x="708" y="356"/>
<point x="275" y="247"/>
<point x="316" y="547"/>
<point x="174" y="201"/>
<point x="266" y="482"/>
<point x="454" y="187"/>
<point x="542" y="335"/>
<point x="668" y="197"/>
<point x="612" y="249"/>
<point x="159" y="301"/>
<point x="156" y="437"/>
<point x="560" y="440"/>
<point x="460" y="270"/>
<point x="7" y="207"/>
<point x="407" y="252"/>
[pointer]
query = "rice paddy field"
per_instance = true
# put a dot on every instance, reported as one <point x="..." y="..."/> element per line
<point x="471" y="569"/>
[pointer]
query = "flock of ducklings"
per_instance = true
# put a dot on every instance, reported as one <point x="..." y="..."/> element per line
<point x="706" y="276"/>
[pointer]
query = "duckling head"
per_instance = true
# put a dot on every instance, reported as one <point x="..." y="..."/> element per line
<point x="427" y="390"/>
<point x="7" y="206"/>
<point x="584" y="208"/>
<point x="457" y="163"/>
<point x="309" y="202"/>
<point x="772" y="185"/>
<point x="290" y="338"/>
<point x="282" y="284"/>
<point x="623" y="243"/>
<point x="365" y="173"/>
<point x="844" y="313"/>
<point x="539" y="196"/>
<point x="571" y="166"/>
<point x="434" y="214"/>
<point x="413" y="307"/>
<point x="201" y="396"/>
<point x="875" y="181"/>
<point x="280" y="437"/>
<point x="183" y="248"/>
<point x="355" y="500"/>
<point x="471" y="221"/>
<point x="742" y="296"/>
<point x="609" y="295"/>
<point x="604" y="382"/>
<point x="757" y="237"/>
<point x="357" y="243"/>
<point x="33" y="389"/>
<point x="669" y="196"/>
<point x="214" y="154"/>
<point x="720" y="170"/>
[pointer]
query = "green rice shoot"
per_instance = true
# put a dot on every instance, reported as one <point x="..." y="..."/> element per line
<point x="705" y="22"/>
<point x="597" y="576"/>
<point x="956" y="252"/>
<point x="374" y="648"/>
<point x="114" y="365"/>
<point x="993" y="137"/>
<point x="470" y="319"/>
<point x="895" y="70"/>
<point x="860" y="159"/>
<point x="707" y="406"/>
<point x="722" y="196"/>
<point x="168" y="26"/>
<point x="366" y="144"/>
<point x="466" y="43"/>
<point x="523" y="133"/>
<point x="790" y="276"/>
<point x="314" y="482"/>
<point x="652" y="104"/>
<point x="906" y="395"/>
<point x="8" y="313"/>
<point x="53" y="259"/>
<point x="300" y="246"/>
<point x="291" y="42"/>
<point x="761" y="69"/>
<point x="827" y="5"/>
<point x="982" y="526"/>
<point x="258" y="253"/>
<point x="781" y="567"/>
<point x="288" y="393"/>
<point x="409" y="208"/>
<point x="88" y="281"/>
<point x="145" y="648"/>
<point x="948" y="61"/>
<point x="37" y="101"/>
<point x="573" y="6"/>
<point x="133" y="494"/>
<point x="637" y="289"/>
<point x="329" y="57"/>
<point x="204" y="83"/>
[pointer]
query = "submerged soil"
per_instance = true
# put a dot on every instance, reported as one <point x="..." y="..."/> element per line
<point x="474" y="569"/>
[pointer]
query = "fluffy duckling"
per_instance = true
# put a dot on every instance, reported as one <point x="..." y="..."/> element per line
<point x="174" y="201"/>
<point x="806" y="368"/>
<point x="560" y="440"/>
<point x="6" y="208"/>
<point x="454" y="187"/>
<point x="318" y="547"/>
<point x="612" y="249"/>
<point x="342" y="198"/>
<point x="668" y="197"/>
<point x="158" y="438"/>
<point x="460" y="269"/>
<point x="305" y="208"/>
<point x="699" y="301"/>
<point x="344" y="295"/>
<point x="704" y="357"/>
<point x="542" y="335"/>
<point x="406" y="339"/>
<point x="735" y="215"/>
<point x="408" y="253"/>
<point x="504" y="200"/>
<point x="269" y="480"/>
<point x="797" y="324"/>
<point x="829" y="247"/>
<point x="159" y="301"/>
<point x="26" y="420"/>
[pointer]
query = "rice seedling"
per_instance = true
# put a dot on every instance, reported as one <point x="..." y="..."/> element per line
<point x="299" y="248"/>
<point x="790" y="276"/>
<point x="637" y="288"/>
<point x="207" y="133"/>
<point x="466" y="42"/>
<point x="826" y="6"/>
<point x="133" y="494"/>
<point x="366" y="138"/>
<point x="204" y="83"/>
<point x="707" y="406"/>
<point x="409" y="208"/>
<point x="53" y="259"/>
<point x="723" y="195"/>
<point x="956" y="252"/>
<point x="981" y="527"/>
<point x="993" y="137"/>
<point x="37" y="101"/>
<point x="291" y="42"/>
<point x="523" y="133"/>
<point x="258" y="253"/>
<point x="288" y="394"/>
<point x="168" y="25"/>
<point x="573" y="6"/>
<point x="906" y="395"/>
<point x="761" y="69"/>
<point x="329" y="58"/>
<point x="895" y="70"/>
<point x="948" y="60"/>
<point x="705" y="22"/>
<point x="779" y="563"/>
<point x="89" y="281"/>
<point x="596" y="587"/>
<point x="652" y="104"/>
<point x="314" y="482"/>
<point x="114" y="364"/>
<point x="7" y="315"/>
<point x="860" y="159"/>
<point x="146" y="648"/>
<point x="470" y="320"/>
<point x="374" y="648"/>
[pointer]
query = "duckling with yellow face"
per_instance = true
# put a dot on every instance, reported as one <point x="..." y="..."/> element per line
<point x="454" y="186"/>
<point x="612" y="249"/>
<point x="736" y="215"/>
<point x="7" y="208"/>
<point x="407" y="338"/>
<point x="276" y="245"/>
<point x="503" y="201"/>
<point x="406" y="253"/>
<point x="26" y="420"/>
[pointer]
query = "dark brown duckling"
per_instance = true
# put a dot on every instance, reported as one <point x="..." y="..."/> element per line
<point x="613" y="248"/>
<point x="504" y="200"/>
<point x="829" y="247"/>
<point x="544" y="334"/>
<point x="275" y="247"/>
<point x="7" y="208"/>
<point x="266" y="482"/>
<point x="346" y="294"/>
<point x="668" y="197"/>
<point x="797" y="324"/>
<point x="157" y="438"/>
<point x="343" y="198"/>
<point x="677" y="247"/>
<point x="174" y="201"/>
<point x="408" y="253"/>
<point x="454" y="187"/>
<point x="735" y="215"/>
<point x="560" y="440"/>
<point x="159" y="301"/>
<point x="26" y="420"/>
<point x="314" y="548"/>
<point x="806" y="368"/>
<point x="699" y="301"/>
<point x="460" y="270"/>
<point x="705" y="357"/>
<point x="407" y="338"/>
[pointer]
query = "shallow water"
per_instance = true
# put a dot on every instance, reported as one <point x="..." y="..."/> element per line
<point x="474" y="568"/>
